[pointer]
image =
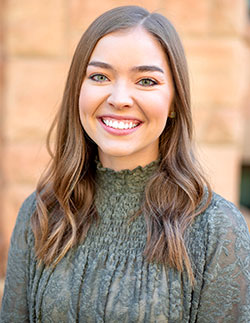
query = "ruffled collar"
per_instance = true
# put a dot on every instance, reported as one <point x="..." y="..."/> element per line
<point x="125" y="180"/>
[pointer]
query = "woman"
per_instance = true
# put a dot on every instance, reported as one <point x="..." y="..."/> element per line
<point x="123" y="227"/>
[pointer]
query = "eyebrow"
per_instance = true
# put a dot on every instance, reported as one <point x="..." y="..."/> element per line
<point x="147" y="68"/>
<point x="141" y="68"/>
<point x="100" y="64"/>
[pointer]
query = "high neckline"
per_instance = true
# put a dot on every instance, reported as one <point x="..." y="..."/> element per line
<point x="125" y="180"/>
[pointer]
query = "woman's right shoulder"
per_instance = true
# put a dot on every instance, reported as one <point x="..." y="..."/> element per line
<point x="28" y="206"/>
<point x="26" y="210"/>
<point x="22" y="233"/>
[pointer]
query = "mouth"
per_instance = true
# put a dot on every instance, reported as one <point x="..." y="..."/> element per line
<point x="123" y="124"/>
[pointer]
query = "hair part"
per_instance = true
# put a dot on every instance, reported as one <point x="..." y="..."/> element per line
<point x="173" y="196"/>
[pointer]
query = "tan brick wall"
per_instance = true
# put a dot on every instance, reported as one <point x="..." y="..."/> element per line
<point x="3" y="243"/>
<point x="246" y="108"/>
<point x="40" y="37"/>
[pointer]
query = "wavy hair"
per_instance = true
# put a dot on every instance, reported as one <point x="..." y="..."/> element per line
<point x="66" y="191"/>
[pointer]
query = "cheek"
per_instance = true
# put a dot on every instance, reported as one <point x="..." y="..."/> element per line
<point x="159" y="113"/>
<point x="90" y="99"/>
<point x="158" y="105"/>
<point x="84" y="100"/>
<point x="159" y="116"/>
<point x="84" y="106"/>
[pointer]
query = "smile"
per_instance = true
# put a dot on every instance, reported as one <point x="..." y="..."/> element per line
<point x="122" y="125"/>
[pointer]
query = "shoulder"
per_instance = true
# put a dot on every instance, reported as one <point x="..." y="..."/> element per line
<point x="27" y="208"/>
<point x="22" y="229"/>
<point x="29" y="203"/>
<point x="220" y="223"/>
<point x="222" y="227"/>
<point x="222" y="214"/>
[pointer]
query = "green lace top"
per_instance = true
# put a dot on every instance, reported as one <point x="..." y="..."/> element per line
<point x="106" y="278"/>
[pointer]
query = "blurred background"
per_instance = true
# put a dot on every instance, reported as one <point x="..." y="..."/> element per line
<point x="37" y="41"/>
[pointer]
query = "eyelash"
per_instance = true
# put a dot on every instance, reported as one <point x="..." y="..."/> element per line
<point x="94" y="77"/>
<point x="152" y="82"/>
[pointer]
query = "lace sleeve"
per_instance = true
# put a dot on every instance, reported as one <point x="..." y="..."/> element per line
<point x="14" y="304"/>
<point x="225" y="295"/>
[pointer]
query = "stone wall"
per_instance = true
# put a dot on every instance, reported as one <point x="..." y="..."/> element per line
<point x="2" y="81"/>
<point x="39" y="39"/>
<point x="246" y="106"/>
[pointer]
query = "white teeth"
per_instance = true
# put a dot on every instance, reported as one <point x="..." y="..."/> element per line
<point x="120" y="125"/>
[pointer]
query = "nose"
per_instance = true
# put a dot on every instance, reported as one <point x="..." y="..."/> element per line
<point x="120" y="96"/>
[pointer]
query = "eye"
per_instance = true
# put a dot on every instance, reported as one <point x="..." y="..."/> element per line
<point x="98" y="78"/>
<point x="147" y="82"/>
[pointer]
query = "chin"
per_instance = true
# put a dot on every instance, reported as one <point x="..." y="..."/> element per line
<point x="116" y="152"/>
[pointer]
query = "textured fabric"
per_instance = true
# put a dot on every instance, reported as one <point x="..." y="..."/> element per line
<point x="106" y="279"/>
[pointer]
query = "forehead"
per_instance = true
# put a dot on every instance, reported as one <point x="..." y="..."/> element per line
<point x="135" y="46"/>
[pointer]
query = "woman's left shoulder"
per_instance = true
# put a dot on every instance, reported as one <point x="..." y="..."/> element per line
<point x="224" y="211"/>
<point x="223" y="218"/>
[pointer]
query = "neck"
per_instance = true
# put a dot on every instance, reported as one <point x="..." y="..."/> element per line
<point x="118" y="163"/>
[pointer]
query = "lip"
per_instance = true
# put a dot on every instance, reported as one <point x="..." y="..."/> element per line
<point x="119" y="132"/>
<point x="117" y="117"/>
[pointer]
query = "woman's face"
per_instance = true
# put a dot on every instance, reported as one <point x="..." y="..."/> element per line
<point x="126" y="98"/>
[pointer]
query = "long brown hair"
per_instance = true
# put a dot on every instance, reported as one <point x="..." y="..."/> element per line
<point x="65" y="193"/>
